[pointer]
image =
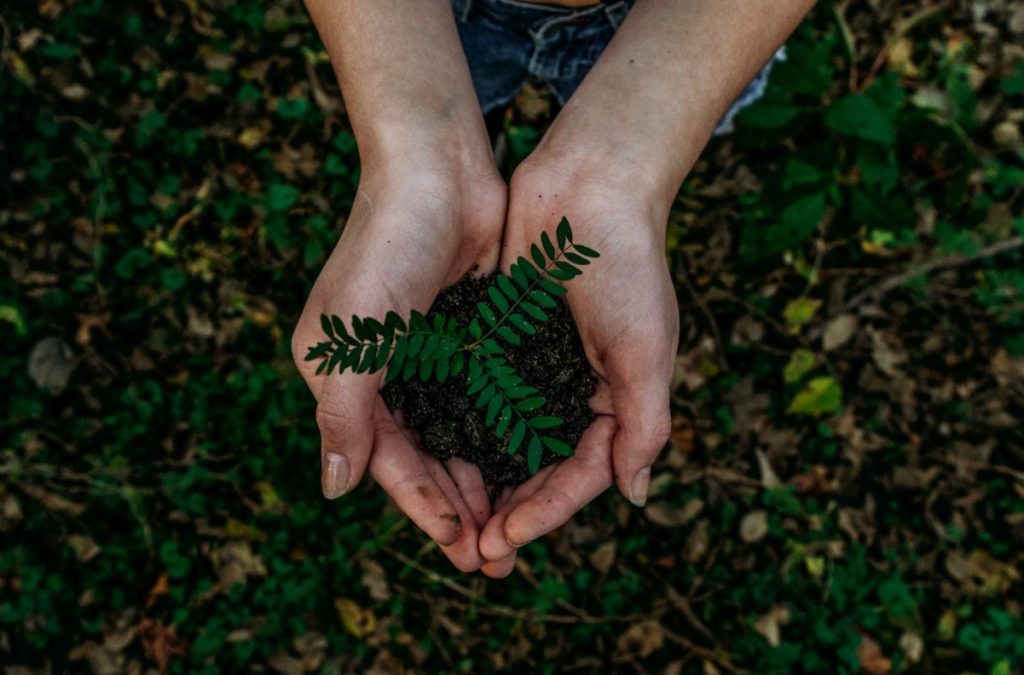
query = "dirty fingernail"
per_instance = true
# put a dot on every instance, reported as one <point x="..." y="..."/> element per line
<point x="638" y="490"/>
<point x="334" y="479"/>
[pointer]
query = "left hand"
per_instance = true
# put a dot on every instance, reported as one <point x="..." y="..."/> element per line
<point x="625" y="308"/>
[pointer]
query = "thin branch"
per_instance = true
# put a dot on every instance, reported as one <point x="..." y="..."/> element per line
<point x="577" y="615"/>
<point x="702" y="652"/>
<point x="956" y="260"/>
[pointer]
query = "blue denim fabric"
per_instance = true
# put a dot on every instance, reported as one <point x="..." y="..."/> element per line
<point x="510" y="42"/>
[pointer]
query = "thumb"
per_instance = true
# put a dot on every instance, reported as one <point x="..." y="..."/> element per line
<point x="344" y="414"/>
<point x="642" y="410"/>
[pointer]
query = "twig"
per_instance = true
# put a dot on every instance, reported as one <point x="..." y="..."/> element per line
<point x="902" y="28"/>
<point x="680" y="602"/>
<point x="702" y="652"/>
<point x="839" y="12"/>
<point x="487" y="607"/>
<point x="685" y="278"/>
<point x="947" y="262"/>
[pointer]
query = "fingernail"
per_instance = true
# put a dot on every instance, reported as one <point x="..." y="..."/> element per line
<point x="638" y="491"/>
<point x="334" y="480"/>
<point x="516" y="545"/>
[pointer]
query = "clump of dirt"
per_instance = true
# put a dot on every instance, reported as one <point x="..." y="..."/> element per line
<point x="448" y="424"/>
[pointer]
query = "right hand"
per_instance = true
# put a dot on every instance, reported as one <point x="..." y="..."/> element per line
<point x="417" y="226"/>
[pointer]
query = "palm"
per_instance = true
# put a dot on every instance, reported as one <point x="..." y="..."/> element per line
<point x="625" y="309"/>
<point x="401" y="246"/>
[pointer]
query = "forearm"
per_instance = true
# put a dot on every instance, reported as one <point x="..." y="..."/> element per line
<point x="403" y="76"/>
<point x="658" y="91"/>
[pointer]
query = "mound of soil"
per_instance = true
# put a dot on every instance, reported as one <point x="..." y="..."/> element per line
<point x="448" y="424"/>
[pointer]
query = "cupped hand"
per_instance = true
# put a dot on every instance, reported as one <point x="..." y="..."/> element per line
<point x="625" y="308"/>
<point x="412" y="232"/>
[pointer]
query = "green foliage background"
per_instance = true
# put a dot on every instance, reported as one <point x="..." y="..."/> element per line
<point x="845" y="487"/>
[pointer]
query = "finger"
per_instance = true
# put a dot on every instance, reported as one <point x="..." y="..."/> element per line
<point x="601" y="401"/>
<point x="550" y="498"/>
<point x="470" y="484"/>
<point x="346" y="419"/>
<point x="504" y="495"/>
<point x="499" y="569"/>
<point x="645" y="422"/>
<point x="464" y="552"/>
<point x="572" y="485"/>
<point x="493" y="545"/>
<point x="402" y="473"/>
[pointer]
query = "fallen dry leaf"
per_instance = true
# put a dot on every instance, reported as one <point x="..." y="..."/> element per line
<point x="603" y="557"/>
<point x="160" y="643"/>
<point x="838" y="332"/>
<point x="754" y="526"/>
<point x="668" y="515"/>
<point x="641" y="640"/>
<point x="770" y="624"/>
<point x="872" y="661"/>
<point x="50" y="364"/>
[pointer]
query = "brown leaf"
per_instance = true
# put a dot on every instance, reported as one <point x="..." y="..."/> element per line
<point x="872" y="661"/>
<point x="769" y="625"/>
<point x="641" y="639"/>
<point x="667" y="515"/>
<point x="912" y="646"/>
<point x="375" y="580"/>
<point x="84" y="547"/>
<point x="386" y="663"/>
<point x="603" y="557"/>
<point x="754" y="526"/>
<point x="51" y="501"/>
<point x="161" y="587"/>
<point x="697" y="543"/>
<point x="74" y="92"/>
<point x="682" y="435"/>
<point x="101" y="662"/>
<point x="160" y="643"/>
<point x="50" y="364"/>
<point x="88" y="322"/>
<point x="888" y="356"/>
<point x="10" y="513"/>
<point x="769" y="479"/>
<point x="235" y="562"/>
<point x="286" y="664"/>
<point x="981" y="572"/>
<point x="913" y="477"/>
<point x="838" y="331"/>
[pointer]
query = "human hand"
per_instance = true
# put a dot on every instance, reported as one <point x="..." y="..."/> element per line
<point x="418" y="224"/>
<point x="626" y="312"/>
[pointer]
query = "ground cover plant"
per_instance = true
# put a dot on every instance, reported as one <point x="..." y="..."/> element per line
<point x="844" y="492"/>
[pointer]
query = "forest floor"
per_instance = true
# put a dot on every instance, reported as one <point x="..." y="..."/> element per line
<point x="844" y="491"/>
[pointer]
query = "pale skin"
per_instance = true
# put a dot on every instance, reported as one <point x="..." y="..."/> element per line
<point x="431" y="206"/>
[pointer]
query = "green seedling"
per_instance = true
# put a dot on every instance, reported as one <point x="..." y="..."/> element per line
<point x="440" y="348"/>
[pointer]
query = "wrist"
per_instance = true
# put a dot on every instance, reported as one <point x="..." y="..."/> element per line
<point x="458" y="141"/>
<point x="593" y="174"/>
<point x="439" y="188"/>
<point x="619" y="160"/>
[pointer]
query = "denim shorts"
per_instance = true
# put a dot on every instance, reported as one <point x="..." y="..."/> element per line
<point x="511" y="42"/>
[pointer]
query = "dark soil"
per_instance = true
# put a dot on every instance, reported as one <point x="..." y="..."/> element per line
<point x="447" y="423"/>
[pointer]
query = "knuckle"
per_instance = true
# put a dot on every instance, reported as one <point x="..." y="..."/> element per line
<point x="649" y="434"/>
<point x="661" y="429"/>
<point x="331" y="420"/>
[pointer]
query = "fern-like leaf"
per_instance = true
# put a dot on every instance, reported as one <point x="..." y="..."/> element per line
<point x="438" y="349"/>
